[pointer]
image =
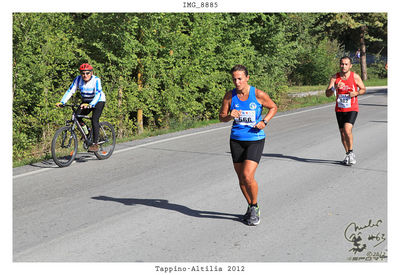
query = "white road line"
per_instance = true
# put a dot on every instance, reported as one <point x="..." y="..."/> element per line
<point x="187" y="135"/>
<point x="212" y="130"/>
<point x="32" y="173"/>
<point x="313" y="109"/>
<point x="169" y="139"/>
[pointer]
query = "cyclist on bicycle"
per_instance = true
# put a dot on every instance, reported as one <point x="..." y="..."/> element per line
<point x="93" y="99"/>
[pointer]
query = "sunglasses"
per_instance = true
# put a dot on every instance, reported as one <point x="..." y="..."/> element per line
<point x="86" y="73"/>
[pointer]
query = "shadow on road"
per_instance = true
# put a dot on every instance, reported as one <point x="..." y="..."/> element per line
<point x="44" y="164"/>
<point x="165" y="204"/>
<point x="324" y="161"/>
<point x="378" y="121"/>
<point x="381" y="91"/>
<point x="81" y="157"/>
<point x="373" y="105"/>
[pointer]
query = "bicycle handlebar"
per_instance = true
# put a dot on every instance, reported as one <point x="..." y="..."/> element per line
<point x="73" y="105"/>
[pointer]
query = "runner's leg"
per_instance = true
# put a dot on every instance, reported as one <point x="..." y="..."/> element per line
<point x="239" y="171"/>
<point x="344" y="139"/>
<point x="348" y="136"/>
<point x="249" y="186"/>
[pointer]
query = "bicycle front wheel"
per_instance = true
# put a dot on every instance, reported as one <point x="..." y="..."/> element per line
<point x="106" y="141"/>
<point x="64" y="146"/>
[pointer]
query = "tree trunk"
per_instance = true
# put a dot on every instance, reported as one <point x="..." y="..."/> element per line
<point x="140" y="111"/>
<point x="140" y="121"/>
<point x="140" y="85"/>
<point x="121" y="118"/>
<point x="363" y="55"/>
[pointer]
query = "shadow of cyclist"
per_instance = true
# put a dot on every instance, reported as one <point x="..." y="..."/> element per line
<point x="80" y="157"/>
<point x="165" y="204"/>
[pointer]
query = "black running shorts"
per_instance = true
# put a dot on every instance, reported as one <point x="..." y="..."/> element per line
<point x="246" y="150"/>
<point x="346" y="117"/>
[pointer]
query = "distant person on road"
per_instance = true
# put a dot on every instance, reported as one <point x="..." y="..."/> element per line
<point x="347" y="86"/>
<point x="358" y="54"/>
<point x="93" y="99"/>
<point x="244" y="105"/>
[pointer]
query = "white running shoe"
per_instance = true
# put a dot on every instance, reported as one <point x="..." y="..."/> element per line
<point x="352" y="159"/>
<point x="346" y="160"/>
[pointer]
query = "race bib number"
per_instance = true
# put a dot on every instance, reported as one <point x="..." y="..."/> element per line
<point x="247" y="118"/>
<point x="344" y="101"/>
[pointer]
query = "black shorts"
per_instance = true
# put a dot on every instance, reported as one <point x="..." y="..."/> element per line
<point x="246" y="150"/>
<point x="346" y="117"/>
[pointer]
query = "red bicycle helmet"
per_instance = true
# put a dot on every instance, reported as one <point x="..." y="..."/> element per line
<point x="85" y="67"/>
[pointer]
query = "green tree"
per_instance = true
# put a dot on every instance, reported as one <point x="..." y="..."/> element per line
<point x="371" y="27"/>
<point x="43" y="56"/>
<point x="171" y="67"/>
<point x="110" y="41"/>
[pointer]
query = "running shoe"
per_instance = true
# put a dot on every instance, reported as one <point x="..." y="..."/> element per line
<point x="247" y="215"/>
<point x="254" y="216"/>
<point x="346" y="160"/>
<point x="352" y="159"/>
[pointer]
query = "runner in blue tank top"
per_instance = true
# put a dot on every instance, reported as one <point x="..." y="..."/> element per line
<point x="251" y="111"/>
<point x="244" y="105"/>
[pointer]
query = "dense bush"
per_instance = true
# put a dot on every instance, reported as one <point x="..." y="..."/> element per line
<point x="316" y="64"/>
<point x="173" y="67"/>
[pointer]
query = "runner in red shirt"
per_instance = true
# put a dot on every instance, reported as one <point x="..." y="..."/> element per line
<point x="347" y="86"/>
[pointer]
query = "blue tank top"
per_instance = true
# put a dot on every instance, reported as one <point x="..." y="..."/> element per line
<point x="243" y="127"/>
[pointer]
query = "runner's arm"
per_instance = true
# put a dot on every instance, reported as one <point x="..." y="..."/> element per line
<point x="267" y="102"/>
<point x="329" y="91"/>
<point x="360" y="85"/>
<point x="224" y="115"/>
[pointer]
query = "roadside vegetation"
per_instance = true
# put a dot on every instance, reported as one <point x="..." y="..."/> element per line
<point x="287" y="103"/>
<point x="174" y="67"/>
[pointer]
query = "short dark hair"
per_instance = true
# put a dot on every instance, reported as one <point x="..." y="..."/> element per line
<point x="240" y="68"/>
<point x="346" y="57"/>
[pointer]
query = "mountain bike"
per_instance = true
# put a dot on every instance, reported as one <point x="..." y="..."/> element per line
<point x="64" y="145"/>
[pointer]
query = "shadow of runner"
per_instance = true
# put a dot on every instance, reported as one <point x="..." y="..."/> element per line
<point x="309" y="160"/>
<point x="165" y="204"/>
<point x="373" y="105"/>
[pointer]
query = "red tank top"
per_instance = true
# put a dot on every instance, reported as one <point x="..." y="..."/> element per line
<point x="345" y="103"/>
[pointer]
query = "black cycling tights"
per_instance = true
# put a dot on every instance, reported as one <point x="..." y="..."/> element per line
<point x="97" y="110"/>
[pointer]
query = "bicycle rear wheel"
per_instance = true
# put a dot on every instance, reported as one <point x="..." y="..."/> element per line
<point x="106" y="141"/>
<point x="64" y="146"/>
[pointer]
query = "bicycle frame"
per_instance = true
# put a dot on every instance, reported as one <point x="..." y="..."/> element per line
<point x="74" y="123"/>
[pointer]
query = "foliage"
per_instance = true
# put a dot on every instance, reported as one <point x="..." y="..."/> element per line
<point x="346" y="27"/>
<point x="317" y="62"/>
<point x="360" y="29"/>
<point x="172" y="66"/>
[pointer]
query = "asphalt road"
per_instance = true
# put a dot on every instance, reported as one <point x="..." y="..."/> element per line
<point x="175" y="198"/>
